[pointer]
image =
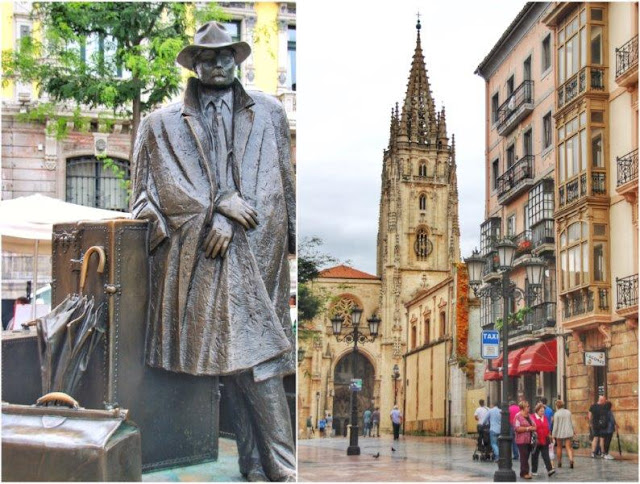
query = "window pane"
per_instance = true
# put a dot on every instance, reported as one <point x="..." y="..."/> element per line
<point x="574" y="232"/>
<point x="574" y="266"/>
<point x="572" y="56"/>
<point x="583" y="47"/>
<point x="596" y="148"/>
<point x="583" y="118"/>
<point x="561" y="162"/>
<point x="596" y="14"/>
<point x="585" y="262"/>
<point x="570" y="158"/>
<point x="564" y="270"/>
<point x="596" y="45"/>
<point x="599" y="268"/>
<point x="597" y="116"/>
<point x="561" y="75"/>
<point x="561" y="36"/>
<point x="583" y="150"/>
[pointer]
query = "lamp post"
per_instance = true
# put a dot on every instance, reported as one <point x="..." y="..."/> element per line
<point x="354" y="337"/>
<point x="317" y="409"/>
<point x="395" y="376"/>
<point x="505" y="290"/>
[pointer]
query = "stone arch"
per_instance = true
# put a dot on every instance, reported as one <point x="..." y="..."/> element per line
<point x="346" y="366"/>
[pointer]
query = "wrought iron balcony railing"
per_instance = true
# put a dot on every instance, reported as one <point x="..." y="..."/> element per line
<point x="524" y="242"/>
<point x="577" y="188"/>
<point x="577" y="84"/>
<point x="577" y="303"/>
<point x="520" y="171"/>
<point x="626" y="56"/>
<point x="542" y="315"/>
<point x="543" y="233"/>
<point x="627" y="291"/>
<point x="518" y="104"/>
<point x="628" y="167"/>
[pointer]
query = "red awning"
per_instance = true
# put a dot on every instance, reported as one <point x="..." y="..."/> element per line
<point x="539" y="357"/>
<point x="514" y="360"/>
<point x="491" y="375"/>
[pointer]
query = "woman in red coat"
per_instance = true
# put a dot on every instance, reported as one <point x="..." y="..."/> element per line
<point x="543" y="441"/>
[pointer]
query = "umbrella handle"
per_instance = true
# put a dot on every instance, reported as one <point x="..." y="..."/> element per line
<point x="85" y="264"/>
<point x="57" y="396"/>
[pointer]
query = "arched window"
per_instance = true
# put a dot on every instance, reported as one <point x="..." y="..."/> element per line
<point x="91" y="183"/>
<point x="413" y="336"/>
<point x="443" y="324"/>
<point x="422" y="171"/>
<point x="423" y="202"/>
<point x="423" y="245"/>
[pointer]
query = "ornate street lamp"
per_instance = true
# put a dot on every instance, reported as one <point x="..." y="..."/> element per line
<point x="504" y="289"/>
<point x="355" y="337"/>
<point x="395" y="376"/>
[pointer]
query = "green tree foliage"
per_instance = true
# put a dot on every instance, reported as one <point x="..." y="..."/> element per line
<point x="311" y="259"/>
<point x="115" y="55"/>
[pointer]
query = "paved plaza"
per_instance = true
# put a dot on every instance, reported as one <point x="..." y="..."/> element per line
<point x="434" y="459"/>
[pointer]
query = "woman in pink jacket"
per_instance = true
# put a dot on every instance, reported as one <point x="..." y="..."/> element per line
<point x="543" y="441"/>
<point x="524" y="428"/>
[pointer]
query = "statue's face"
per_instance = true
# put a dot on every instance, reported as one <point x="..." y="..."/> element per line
<point x="216" y="68"/>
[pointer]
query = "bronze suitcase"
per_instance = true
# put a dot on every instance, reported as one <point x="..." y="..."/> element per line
<point x="177" y="414"/>
<point x="68" y="444"/>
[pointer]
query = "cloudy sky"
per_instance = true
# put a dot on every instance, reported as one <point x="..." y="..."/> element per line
<point x="353" y="64"/>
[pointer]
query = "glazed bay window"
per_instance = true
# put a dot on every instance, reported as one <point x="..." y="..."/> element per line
<point x="581" y="59"/>
<point x="574" y="256"/>
<point x="541" y="203"/>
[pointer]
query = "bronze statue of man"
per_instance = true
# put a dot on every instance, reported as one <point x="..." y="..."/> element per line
<point x="213" y="176"/>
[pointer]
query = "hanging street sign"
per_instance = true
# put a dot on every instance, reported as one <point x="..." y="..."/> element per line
<point x="356" y="385"/>
<point x="490" y="344"/>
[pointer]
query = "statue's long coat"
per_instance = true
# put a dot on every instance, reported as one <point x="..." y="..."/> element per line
<point x="217" y="316"/>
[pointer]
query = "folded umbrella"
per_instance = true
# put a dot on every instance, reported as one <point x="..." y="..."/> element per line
<point x="69" y="334"/>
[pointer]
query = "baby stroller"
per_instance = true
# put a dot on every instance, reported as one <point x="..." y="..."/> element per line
<point x="483" y="451"/>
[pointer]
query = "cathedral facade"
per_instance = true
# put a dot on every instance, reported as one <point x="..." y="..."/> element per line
<point x="417" y="250"/>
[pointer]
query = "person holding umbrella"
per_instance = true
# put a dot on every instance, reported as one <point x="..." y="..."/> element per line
<point x="608" y="431"/>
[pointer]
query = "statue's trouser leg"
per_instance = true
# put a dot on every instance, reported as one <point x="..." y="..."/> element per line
<point x="263" y="425"/>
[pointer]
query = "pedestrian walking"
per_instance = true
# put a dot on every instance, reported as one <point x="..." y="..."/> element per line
<point x="548" y="413"/>
<point x="563" y="432"/>
<point x="375" y="422"/>
<point x="543" y="441"/>
<point x="366" y="417"/>
<point x="494" y="419"/>
<point x="329" y="428"/>
<point x="524" y="430"/>
<point x="322" y="426"/>
<point x="513" y="411"/>
<point x="309" y="427"/>
<point x="396" y="421"/>
<point x="610" y="428"/>
<point x="597" y="423"/>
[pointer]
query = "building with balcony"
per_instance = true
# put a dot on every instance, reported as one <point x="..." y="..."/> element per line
<point x="35" y="160"/>
<point x="519" y="191"/>
<point x="596" y="216"/>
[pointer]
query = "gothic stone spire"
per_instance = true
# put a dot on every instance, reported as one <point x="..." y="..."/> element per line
<point x="418" y="119"/>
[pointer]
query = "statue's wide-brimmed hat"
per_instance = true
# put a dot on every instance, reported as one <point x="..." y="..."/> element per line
<point x="212" y="36"/>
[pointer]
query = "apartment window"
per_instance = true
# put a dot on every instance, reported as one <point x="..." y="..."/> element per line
<point x="525" y="214"/>
<point x="597" y="158"/>
<point x="546" y="53"/>
<point x="574" y="255"/>
<point x="541" y="203"/>
<point x="572" y="149"/>
<point x="91" y="184"/>
<point x="511" y="156"/>
<point x="599" y="269"/>
<point x="291" y="53"/>
<point x="99" y="52"/>
<point x="495" y="105"/>
<point x="494" y="174"/>
<point x="233" y="28"/>
<point x="422" y="171"/>
<point x="596" y="45"/>
<point x="490" y="231"/>
<point x="547" y="138"/>
<point x="510" y="86"/>
<point x="527" y="143"/>
<point x="526" y="73"/>
<point x="423" y="202"/>
<point x="511" y="225"/>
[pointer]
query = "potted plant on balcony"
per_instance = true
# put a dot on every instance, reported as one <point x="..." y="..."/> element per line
<point x="524" y="246"/>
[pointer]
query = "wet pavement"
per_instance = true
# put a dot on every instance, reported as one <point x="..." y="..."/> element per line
<point x="434" y="459"/>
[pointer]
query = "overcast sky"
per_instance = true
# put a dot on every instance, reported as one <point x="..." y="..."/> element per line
<point x="353" y="64"/>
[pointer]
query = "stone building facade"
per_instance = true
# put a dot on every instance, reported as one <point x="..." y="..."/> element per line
<point x="417" y="253"/>
<point x="596" y="96"/>
<point x="519" y="190"/>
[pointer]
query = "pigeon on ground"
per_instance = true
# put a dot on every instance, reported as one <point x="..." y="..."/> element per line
<point x="375" y="456"/>
<point x="392" y="449"/>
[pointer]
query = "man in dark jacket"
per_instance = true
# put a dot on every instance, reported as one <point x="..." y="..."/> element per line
<point x="213" y="176"/>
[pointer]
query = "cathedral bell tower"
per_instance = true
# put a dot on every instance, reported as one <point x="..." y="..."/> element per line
<point x="418" y="227"/>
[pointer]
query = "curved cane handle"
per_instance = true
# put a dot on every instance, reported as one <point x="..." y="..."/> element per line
<point x="85" y="264"/>
<point x="58" y="397"/>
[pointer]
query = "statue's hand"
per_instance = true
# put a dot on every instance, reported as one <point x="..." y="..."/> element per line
<point x="231" y="205"/>
<point x="218" y="239"/>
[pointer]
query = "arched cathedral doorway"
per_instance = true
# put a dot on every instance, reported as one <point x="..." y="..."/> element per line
<point x="351" y="366"/>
